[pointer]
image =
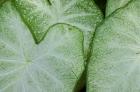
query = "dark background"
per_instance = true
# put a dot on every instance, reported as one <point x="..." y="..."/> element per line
<point x="101" y="4"/>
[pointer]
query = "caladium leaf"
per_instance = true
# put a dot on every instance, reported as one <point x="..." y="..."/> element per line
<point x="114" y="65"/>
<point x="54" y="65"/>
<point x="113" y="5"/>
<point x="40" y="15"/>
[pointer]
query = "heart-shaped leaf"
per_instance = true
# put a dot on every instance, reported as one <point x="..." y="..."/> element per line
<point x="40" y="15"/>
<point x="54" y="65"/>
<point x="114" y="65"/>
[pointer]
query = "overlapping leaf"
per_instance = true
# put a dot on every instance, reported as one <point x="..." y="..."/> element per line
<point x="54" y="65"/>
<point x="40" y="15"/>
<point x="114" y="65"/>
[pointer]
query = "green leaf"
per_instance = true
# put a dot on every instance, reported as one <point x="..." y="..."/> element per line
<point x="40" y="15"/>
<point x="113" y="5"/>
<point x="115" y="61"/>
<point x="55" y="65"/>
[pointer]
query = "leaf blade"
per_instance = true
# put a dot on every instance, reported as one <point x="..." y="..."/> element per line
<point x="114" y="63"/>
<point x="53" y="65"/>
